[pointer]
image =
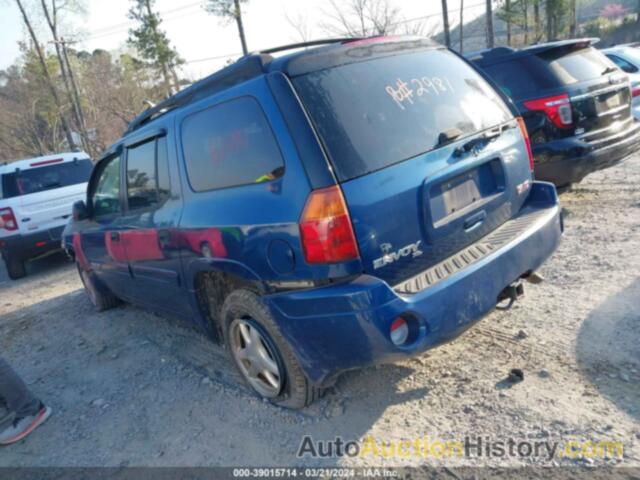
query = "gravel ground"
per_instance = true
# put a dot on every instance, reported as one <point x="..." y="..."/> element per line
<point x="129" y="387"/>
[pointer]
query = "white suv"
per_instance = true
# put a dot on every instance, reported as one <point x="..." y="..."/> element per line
<point x="36" y="196"/>
<point x="627" y="57"/>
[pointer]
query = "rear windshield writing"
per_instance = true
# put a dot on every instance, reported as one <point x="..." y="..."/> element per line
<point x="40" y="179"/>
<point x="375" y="113"/>
<point x="403" y="91"/>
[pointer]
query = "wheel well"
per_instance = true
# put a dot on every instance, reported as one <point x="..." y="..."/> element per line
<point x="212" y="289"/>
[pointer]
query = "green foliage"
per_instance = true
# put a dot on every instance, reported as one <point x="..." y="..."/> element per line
<point x="113" y="89"/>
<point x="225" y="9"/>
<point x="148" y="39"/>
<point x="596" y="27"/>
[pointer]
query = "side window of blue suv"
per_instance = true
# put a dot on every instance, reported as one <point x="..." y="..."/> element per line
<point x="141" y="176"/>
<point x="229" y="145"/>
<point x="106" y="196"/>
<point x="147" y="174"/>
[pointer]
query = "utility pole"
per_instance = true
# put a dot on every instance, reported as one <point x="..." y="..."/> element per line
<point x="72" y="87"/>
<point x="72" y="78"/>
<point x="445" y="20"/>
<point x="238" y="15"/>
<point x="489" y="16"/>
<point x="461" y="25"/>
<point x="47" y="76"/>
<point x="574" y="19"/>
<point x="507" y="7"/>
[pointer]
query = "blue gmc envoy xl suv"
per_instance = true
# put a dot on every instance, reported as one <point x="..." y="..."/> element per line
<point x="353" y="203"/>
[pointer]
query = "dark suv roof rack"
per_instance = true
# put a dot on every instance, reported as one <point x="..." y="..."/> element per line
<point x="244" y="69"/>
<point x="491" y="55"/>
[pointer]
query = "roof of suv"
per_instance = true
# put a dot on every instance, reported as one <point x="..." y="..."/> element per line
<point x="333" y="52"/>
<point x="501" y="54"/>
<point x="36" y="162"/>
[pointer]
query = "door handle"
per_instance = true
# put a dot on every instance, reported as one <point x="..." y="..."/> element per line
<point x="164" y="236"/>
<point x="474" y="221"/>
<point x="115" y="236"/>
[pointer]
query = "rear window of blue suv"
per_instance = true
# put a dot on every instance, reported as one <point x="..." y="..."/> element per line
<point x="230" y="144"/>
<point x="375" y="113"/>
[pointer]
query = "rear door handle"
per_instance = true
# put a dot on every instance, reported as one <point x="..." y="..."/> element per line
<point x="164" y="236"/>
<point x="115" y="236"/>
<point x="474" y="221"/>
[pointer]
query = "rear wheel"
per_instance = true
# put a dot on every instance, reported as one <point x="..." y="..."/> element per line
<point x="564" y="188"/>
<point x="261" y="353"/>
<point x="100" y="297"/>
<point x="15" y="267"/>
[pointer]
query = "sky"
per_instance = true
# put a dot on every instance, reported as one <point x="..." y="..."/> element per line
<point x="197" y="35"/>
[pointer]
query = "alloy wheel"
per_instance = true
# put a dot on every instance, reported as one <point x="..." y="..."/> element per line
<point x="255" y="358"/>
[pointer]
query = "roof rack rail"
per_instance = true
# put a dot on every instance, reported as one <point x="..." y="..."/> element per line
<point x="244" y="69"/>
<point x="312" y="43"/>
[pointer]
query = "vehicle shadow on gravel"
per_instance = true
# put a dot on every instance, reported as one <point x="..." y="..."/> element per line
<point x="110" y="376"/>
<point x="607" y="349"/>
<point x="35" y="268"/>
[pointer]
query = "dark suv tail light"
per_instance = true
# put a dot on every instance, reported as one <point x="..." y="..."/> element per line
<point x="557" y="108"/>
<point x="8" y="219"/>
<point x="325" y="228"/>
<point x="527" y="140"/>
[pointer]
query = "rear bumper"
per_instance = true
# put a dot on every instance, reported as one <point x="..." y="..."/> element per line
<point x="345" y="326"/>
<point x="570" y="160"/>
<point x="32" y="245"/>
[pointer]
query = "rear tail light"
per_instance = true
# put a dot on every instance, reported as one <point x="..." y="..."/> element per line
<point x="635" y="90"/>
<point x="8" y="219"/>
<point x="527" y="140"/>
<point x="325" y="228"/>
<point x="557" y="109"/>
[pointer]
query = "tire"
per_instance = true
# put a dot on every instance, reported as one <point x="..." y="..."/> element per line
<point x="99" y="296"/>
<point x="15" y="268"/>
<point x="243" y="307"/>
<point x="564" y="188"/>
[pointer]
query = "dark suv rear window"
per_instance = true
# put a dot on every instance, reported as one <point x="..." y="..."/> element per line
<point x="39" y="179"/>
<point x="374" y="113"/>
<point x="554" y="68"/>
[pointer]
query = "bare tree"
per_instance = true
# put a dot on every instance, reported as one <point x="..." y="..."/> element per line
<point x="573" y="26"/>
<point x="45" y="72"/>
<point x="525" y="20"/>
<point x="300" y="24"/>
<point x="489" y="15"/>
<point x="537" y="21"/>
<point x="51" y="14"/>
<point x="445" y="23"/>
<point x="361" y="18"/>
<point x="507" y="8"/>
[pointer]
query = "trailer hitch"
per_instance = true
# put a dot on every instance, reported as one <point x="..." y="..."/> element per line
<point x="510" y="293"/>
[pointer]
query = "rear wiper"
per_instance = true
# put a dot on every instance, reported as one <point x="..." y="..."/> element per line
<point x="480" y="142"/>
<point x="448" y="136"/>
<point x="609" y="70"/>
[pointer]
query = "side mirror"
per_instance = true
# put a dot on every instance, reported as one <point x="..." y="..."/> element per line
<point x="80" y="211"/>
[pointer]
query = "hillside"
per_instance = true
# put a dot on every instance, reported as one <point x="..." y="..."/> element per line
<point x="588" y="12"/>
